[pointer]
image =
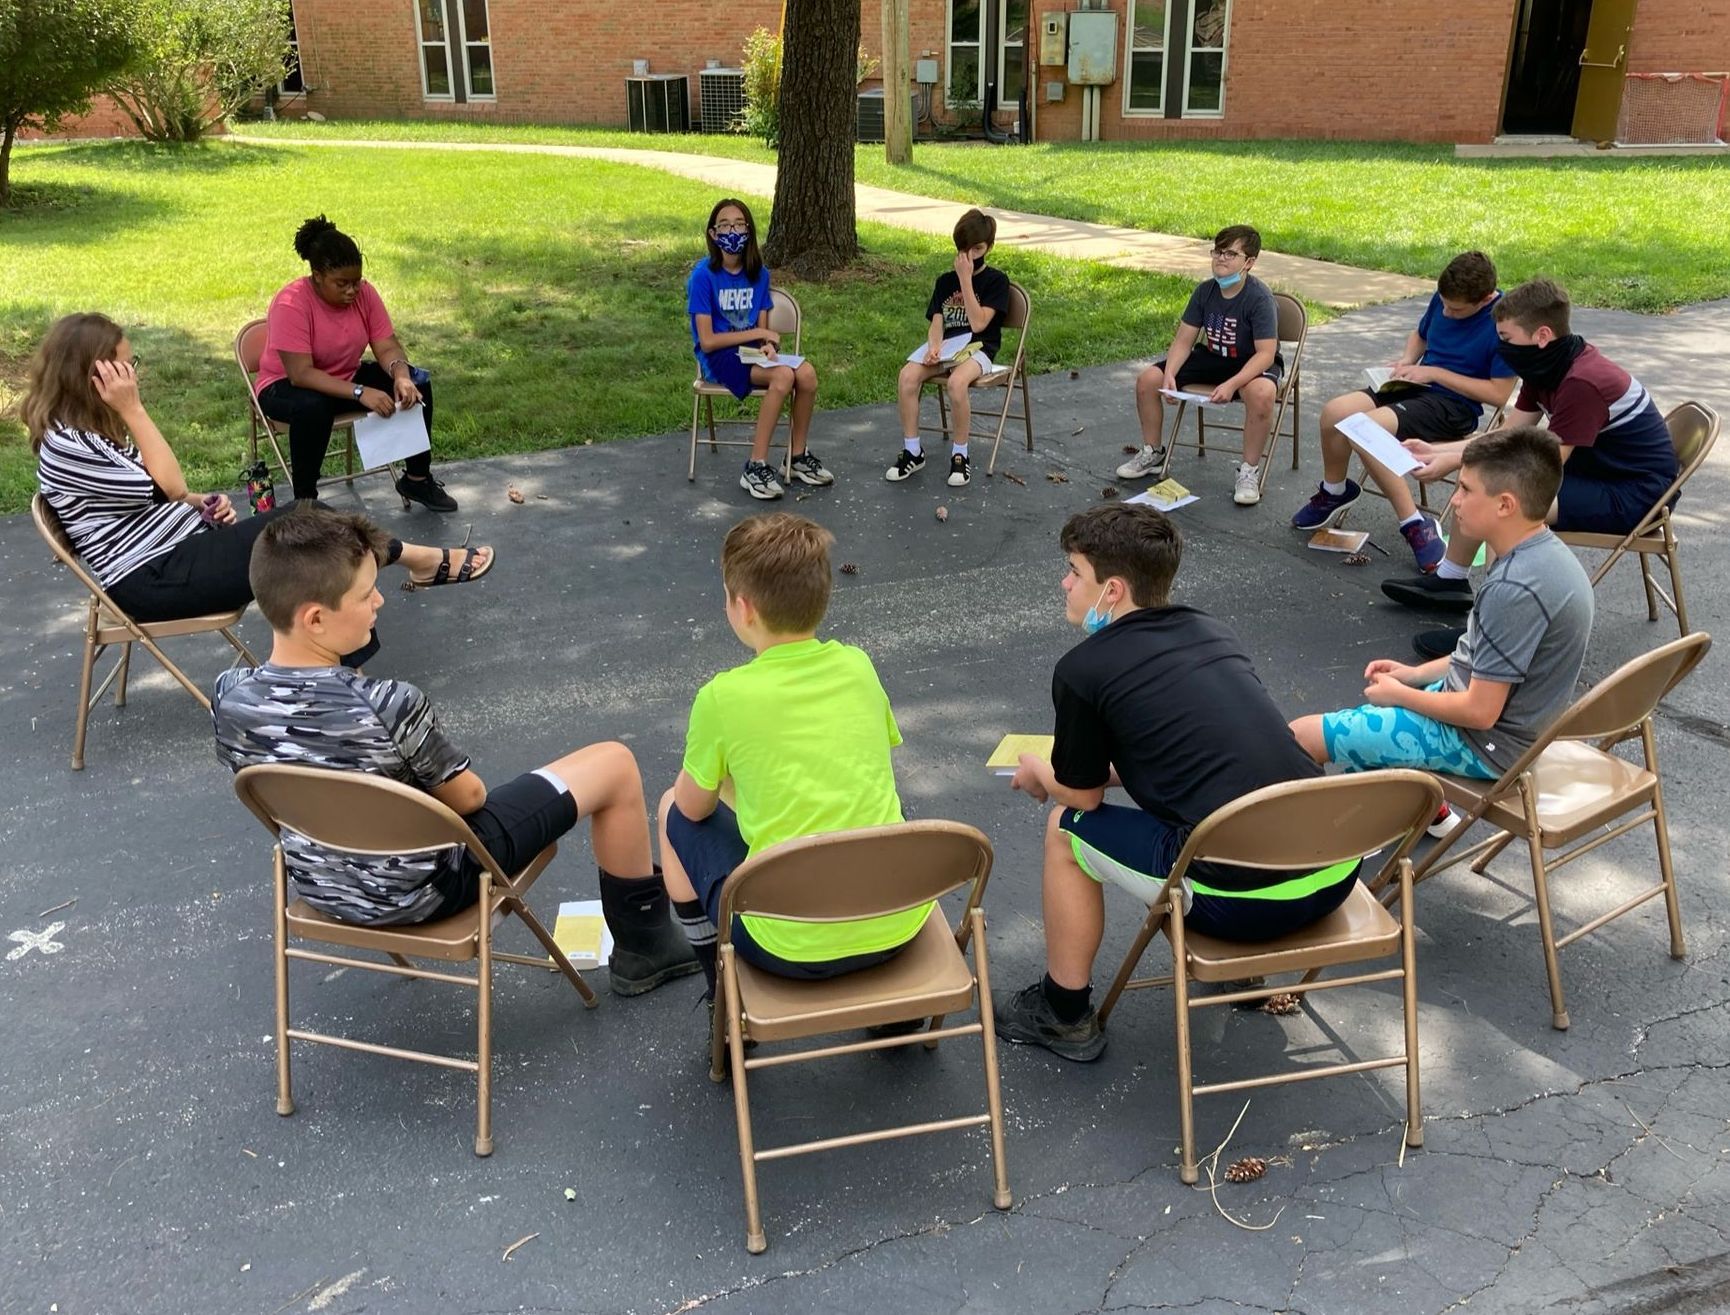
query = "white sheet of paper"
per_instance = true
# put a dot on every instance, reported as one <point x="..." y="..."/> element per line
<point x="789" y="359"/>
<point x="1375" y="442"/>
<point x="383" y="439"/>
<point x="946" y="352"/>
<point x="1194" y="399"/>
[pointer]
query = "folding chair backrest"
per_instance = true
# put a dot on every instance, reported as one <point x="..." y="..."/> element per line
<point x="1627" y="696"/>
<point x="54" y="535"/>
<point x="1291" y="318"/>
<point x="1020" y="308"/>
<point x="249" y="348"/>
<point x="1309" y="825"/>
<point x="785" y="317"/>
<point x="1693" y="430"/>
<point x="860" y="874"/>
<point x="353" y="811"/>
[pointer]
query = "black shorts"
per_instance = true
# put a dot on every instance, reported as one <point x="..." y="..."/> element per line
<point x="1427" y="412"/>
<point x="519" y="819"/>
<point x="1207" y="368"/>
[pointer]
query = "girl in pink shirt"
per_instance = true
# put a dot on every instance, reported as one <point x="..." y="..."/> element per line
<point x="311" y="371"/>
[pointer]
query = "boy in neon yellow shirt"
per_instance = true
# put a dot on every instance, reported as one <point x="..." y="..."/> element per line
<point x="804" y="731"/>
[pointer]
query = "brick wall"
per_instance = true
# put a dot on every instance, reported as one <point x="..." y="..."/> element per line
<point x="1680" y="36"/>
<point x="106" y="119"/>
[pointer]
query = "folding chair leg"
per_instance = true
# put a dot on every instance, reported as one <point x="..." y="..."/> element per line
<point x="560" y="962"/>
<point x="709" y="415"/>
<point x="1661" y="829"/>
<point x="1027" y="409"/>
<point x="755" y="1242"/>
<point x="484" y="1013"/>
<point x="1541" y="891"/>
<point x="1200" y="432"/>
<point x="284" y="1095"/>
<point x="1186" y="1169"/>
<point x="1409" y="993"/>
<point x="1296" y="422"/>
<point x="84" y="679"/>
<point x="1000" y="1197"/>
<point x="696" y="411"/>
<point x="120" y="676"/>
<point x="1149" y="928"/>
<point x="1482" y="862"/>
<point x="1651" y="592"/>
<point x="1673" y="559"/>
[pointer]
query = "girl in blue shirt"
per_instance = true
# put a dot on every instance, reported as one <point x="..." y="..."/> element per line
<point x="727" y="298"/>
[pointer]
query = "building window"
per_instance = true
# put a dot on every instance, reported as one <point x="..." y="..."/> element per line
<point x="293" y="82"/>
<point x="456" y="49"/>
<point x="1204" y="79"/>
<point x="1144" y="59"/>
<point x="966" y="37"/>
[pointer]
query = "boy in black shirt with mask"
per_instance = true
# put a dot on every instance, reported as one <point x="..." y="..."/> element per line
<point x="1162" y="700"/>
<point x="970" y="300"/>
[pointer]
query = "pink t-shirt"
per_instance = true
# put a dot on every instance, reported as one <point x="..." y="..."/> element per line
<point x="299" y="320"/>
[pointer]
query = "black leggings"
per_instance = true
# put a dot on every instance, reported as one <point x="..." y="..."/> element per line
<point x="309" y="417"/>
<point x="207" y="573"/>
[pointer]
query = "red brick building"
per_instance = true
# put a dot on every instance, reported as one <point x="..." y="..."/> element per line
<point x="1358" y="69"/>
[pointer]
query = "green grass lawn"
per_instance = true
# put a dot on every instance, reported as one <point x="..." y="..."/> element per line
<point x="546" y="295"/>
<point x="1644" y="235"/>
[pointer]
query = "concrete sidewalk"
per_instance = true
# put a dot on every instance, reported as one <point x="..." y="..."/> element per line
<point x="143" y="1170"/>
<point x="1339" y="286"/>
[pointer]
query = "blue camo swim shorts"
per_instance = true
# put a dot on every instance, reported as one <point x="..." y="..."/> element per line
<point x="1368" y="737"/>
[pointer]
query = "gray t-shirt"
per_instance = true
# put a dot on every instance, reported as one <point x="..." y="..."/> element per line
<point x="1529" y="627"/>
<point x="1229" y="326"/>
<point x="336" y="718"/>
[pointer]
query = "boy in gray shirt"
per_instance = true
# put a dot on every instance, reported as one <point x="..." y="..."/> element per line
<point x="1476" y="711"/>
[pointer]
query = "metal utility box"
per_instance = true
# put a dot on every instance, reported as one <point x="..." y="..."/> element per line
<point x="925" y="71"/>
<point x="869" y="114"/>
<point x="1053" y="37"/>
<point x="720" y="98"/>
<point x="659" y="102"/>
<point x="1092" y="47"/>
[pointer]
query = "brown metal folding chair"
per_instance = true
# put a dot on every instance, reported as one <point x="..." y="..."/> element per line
<point x="1563" y="790"/>
<point x="784" y="318"/>
<point x="360" y="813"/>
<point x="1300" y="825"/>
<point x="1293" y="330"/>
<point x="1693" y="430"/>
<point x="106" y="622"/>
<point x="841" y="877"/>
<point x="248" y="348"/>
<point x="1018" y="318"/>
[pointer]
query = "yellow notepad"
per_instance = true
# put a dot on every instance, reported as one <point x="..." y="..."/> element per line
<point x="581" y="932"/>
<point x="1005" y="759"/>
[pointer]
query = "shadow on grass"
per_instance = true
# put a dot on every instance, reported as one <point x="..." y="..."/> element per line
<point x="66" y="211"/>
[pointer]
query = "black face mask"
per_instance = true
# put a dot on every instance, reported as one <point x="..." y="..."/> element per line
<point x="1543" y="367"/>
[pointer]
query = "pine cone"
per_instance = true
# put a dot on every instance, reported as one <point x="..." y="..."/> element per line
<point x="1281" y="1004"/>
<point x="1246" y="1170"/>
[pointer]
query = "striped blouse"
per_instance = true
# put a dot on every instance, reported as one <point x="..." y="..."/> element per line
<point x="113" y="512"/>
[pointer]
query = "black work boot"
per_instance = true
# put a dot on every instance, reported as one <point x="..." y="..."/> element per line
<point x="648" y="946"/>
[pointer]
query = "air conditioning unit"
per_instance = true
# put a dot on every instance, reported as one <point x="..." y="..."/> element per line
<point x="720" y="98"/>
<point x="870" y="114"/>
<point x="658" y="102"/>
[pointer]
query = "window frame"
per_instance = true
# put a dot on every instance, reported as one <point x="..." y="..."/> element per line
<point x="420" y="49"/>
<point x="1158" y="112"/>
<point x="949" y="47"/>
<point x="1004" y="46"/>
<point x="1191" y="50"/>
<point x="463" y="34"/>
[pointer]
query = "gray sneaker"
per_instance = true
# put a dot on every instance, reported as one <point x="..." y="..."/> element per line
<point x="1149" y="461"/>
<point x="807" y="469"/>
<point x="1026" y="1019"/>
<point x="758" y="479"/>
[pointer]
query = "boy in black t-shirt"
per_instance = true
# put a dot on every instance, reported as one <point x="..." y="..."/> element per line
<point x="968" y="302"/>
<point x="1226" y="346"/>
<point x="1162" y="700"/>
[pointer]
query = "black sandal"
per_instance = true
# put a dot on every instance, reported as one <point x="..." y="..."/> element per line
<point x="464" y="573"/>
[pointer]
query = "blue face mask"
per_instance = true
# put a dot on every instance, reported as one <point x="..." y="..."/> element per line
<point x="1229" y="280"/>
<point x="732" y="243"/>
<point x="1095" y="621"/>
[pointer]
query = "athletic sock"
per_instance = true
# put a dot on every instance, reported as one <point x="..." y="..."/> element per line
<point x="1413" y="519"/>
<point x="958" y="449"/>
<point x="1069" y="1006"/>
<point x="1334" y="486"/>
<point x="701" y="933"/>
<point x="1448" y="570"/>
<point x="913" y="445"/>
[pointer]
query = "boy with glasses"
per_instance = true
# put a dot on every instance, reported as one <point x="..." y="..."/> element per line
<point x="1227" y="346"/>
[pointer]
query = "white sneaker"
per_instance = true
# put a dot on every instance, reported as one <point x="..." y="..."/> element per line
<point x="1445" y="824"/>
<point x="1149" y="461"/>
<point x="758" y="479"/>
<point x="1247" y="491"/>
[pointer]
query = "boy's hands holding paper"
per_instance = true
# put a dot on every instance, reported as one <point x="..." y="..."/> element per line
<point x="1437" y="461"/>
<point x="1034" y="777"/>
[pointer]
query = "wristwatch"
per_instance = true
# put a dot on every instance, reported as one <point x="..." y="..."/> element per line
<point x="358" y="390"/>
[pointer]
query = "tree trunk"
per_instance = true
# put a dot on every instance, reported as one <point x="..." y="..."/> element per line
<point x="6" y="163"/>
<point x="811" y="232"/>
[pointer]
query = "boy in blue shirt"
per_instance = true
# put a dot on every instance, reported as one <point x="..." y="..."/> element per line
<point x="1450" y="370"/>
<point x="727" y="299"/>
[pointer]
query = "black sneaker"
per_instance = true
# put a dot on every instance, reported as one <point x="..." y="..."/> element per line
<point x="960" y="471"/>
<point x="1026" y="1018"/>
<point x="1432" y="644"/>
<point x="428" y="492"/>
<point x="807" y="469"/>
<point x="906" y="463"/>
<point x="1431" y="593"/>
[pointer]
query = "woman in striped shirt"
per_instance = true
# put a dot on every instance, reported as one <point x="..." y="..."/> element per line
<point x="162" y="552"/>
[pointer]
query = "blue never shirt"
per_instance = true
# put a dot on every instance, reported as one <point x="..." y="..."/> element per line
<point x="731" y="301"/>
<point x="1469" y="346"/>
